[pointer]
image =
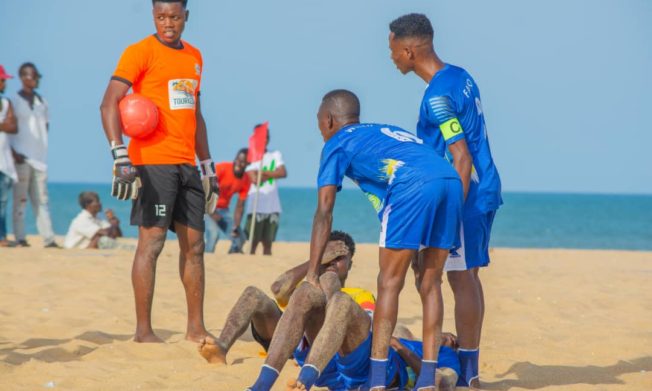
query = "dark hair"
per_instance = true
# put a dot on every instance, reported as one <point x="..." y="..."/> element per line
<point x="412" y="26"/>
<point x="242" y="150"/>
<point x="343" y="103"/>
<point x="26" y="65"/>
<point x="346" y="238"/>
<point x="184" y="3"/>
<point x="87" y="197"/>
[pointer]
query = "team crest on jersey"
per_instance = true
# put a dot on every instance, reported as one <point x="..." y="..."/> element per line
<point x="182" y="93"/>
<point x="197" y="69"/>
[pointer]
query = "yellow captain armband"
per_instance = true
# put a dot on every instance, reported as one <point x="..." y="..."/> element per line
<point x="451" y="128"/>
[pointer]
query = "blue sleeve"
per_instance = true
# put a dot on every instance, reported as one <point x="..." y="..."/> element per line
<point x="333" y="165"/>
<point x="442" y="109"/>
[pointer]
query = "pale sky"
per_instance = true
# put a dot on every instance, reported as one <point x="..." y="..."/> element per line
<point x="565" y="84"/>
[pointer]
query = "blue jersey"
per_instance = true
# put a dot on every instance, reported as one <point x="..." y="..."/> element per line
<point x="376" y="157"/>
<point x="451" y="110"/>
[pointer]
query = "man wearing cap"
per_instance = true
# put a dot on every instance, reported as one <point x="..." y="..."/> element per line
<point x="7" y="170"/>
<point x="30" y="148"/>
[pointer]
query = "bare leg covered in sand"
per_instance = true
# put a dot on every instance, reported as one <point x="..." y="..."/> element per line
<point x="345" y="327"/>
<point x="253" y="307"/>
<point x="304" y="316"/>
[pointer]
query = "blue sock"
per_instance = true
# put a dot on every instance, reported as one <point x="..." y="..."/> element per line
<point x="308" y="376"/>
<point x="468" y="365"/>
<point x="377" y="373"/>
<point x="266" y="379"/>
<point x="427" y="375"/>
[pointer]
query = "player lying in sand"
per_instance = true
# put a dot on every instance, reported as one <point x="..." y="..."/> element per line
<point x="338" y="358"/>
<point x="263" y="313"/>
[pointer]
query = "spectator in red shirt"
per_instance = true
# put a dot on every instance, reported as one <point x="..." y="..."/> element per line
<point x="232" y="180"/>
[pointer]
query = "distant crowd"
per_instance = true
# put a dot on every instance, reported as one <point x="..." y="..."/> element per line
<point x="24" y="128"/>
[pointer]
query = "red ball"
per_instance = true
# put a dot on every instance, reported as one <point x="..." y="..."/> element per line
<point x="139" y="116"/>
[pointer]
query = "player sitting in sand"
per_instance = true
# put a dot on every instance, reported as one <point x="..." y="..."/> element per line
<point x="263" y="313"/>
<point x="329" y="331"/>
<point x="344" y="343"/>
<point x="338" y="357"/>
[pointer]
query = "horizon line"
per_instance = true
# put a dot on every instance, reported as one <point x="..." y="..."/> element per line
<point x="304" y="187"/>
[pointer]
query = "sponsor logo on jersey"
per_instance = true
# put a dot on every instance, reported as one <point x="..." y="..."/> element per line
<point x="182" y="93"/>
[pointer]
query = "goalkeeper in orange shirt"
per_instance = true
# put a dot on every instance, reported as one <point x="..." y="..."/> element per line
<point x="167" y="70"/>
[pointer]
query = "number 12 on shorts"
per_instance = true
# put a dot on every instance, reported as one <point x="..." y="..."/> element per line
<point x="159" y="210"/>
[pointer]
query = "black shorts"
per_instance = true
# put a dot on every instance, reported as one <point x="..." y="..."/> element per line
<point x="266" y="227"/>
<point x="262" y="341"/>
<point x="258" y="338"/>
<point x="170" y="193"/>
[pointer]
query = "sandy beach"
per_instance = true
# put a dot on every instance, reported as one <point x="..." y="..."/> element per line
<point x="556" y="319"/>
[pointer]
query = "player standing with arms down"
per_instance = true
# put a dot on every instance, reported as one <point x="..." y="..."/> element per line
<point x="451" y="120"/>
<point x="167" y="70"/>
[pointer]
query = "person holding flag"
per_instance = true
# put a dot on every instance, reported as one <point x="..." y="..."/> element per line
<point x="263" y="201"/>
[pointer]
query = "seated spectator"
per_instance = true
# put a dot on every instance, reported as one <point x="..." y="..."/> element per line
<point x="87" y="230"/>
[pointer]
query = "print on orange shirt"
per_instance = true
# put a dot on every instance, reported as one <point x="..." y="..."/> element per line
<point x="171" y="79"/>
<point x="182" y="93"/>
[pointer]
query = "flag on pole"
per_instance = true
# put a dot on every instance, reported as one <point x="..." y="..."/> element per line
<point x="258" y="143"/>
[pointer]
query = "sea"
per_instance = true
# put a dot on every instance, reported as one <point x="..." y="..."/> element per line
<point x="526" y="220"/>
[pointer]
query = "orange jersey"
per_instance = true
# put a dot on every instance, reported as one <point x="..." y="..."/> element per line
<point x="229" y="184"/>
<point x="171" y="79"/>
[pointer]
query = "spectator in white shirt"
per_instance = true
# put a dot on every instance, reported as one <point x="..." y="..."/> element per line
<point x="7" y="170"/>
<point x="268" y="208"/>
<point x="30" y="146"/>
<point x="89" y="231"/>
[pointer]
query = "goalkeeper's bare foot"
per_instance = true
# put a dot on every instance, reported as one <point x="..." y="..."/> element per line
<point x="211" y="350"/>
<point x="147" y="338"/>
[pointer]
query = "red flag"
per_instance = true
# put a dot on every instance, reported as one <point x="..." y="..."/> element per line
<point x="258" y="143"/>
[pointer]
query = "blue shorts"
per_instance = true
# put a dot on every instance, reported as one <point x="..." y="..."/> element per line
<point x="446" y="358"/>
<point x="329" y="377"/>
<point x="354" y="367"/>
<point x="474" y="246"/>
<point x="422" y="215"/>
